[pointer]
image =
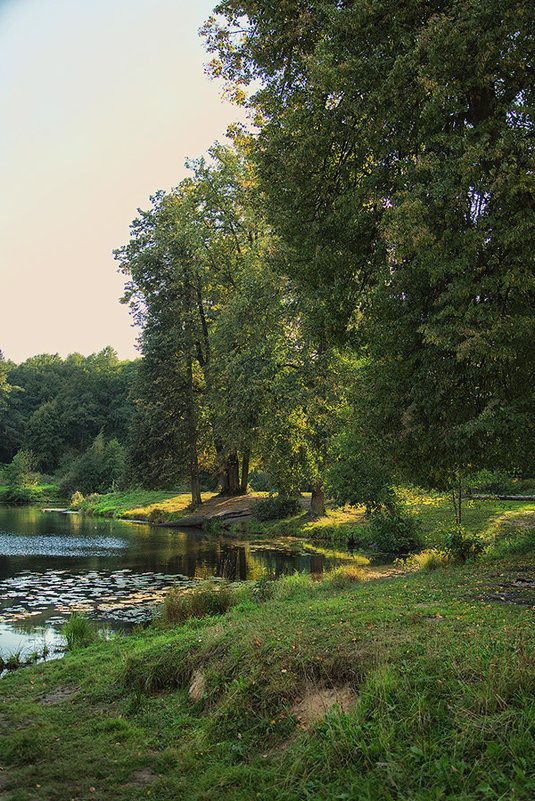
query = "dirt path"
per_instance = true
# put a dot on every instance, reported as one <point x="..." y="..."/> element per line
<point x="225" y="509"/>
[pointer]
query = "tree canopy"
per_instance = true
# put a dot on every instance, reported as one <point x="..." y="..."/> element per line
<point x="396" y="151"/>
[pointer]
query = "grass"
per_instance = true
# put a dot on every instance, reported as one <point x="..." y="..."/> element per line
<point x="440" y="673"/>
<point x="80" y="632"/>
<point x="492" y="520"/>
<point x="37" y="492"/>
<point x="152" y="506"/>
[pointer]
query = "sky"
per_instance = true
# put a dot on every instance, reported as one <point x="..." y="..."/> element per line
<point x="101" y="102"/>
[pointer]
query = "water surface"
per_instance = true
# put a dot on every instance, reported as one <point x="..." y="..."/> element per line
<point x="53" y="564"/>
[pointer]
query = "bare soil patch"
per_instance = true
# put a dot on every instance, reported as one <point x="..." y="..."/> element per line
<point x="317" y="702"/>
<point x="59" y="694"/>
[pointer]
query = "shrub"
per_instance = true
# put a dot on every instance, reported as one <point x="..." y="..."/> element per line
<point x="260" y="480"/>
<point x="99" y="469"/>
<point x="341" y="577"/>
<point x="494" y="481"/>
<point x="158" y="515"/>
<point x="264" y="587"/>
<point x="276" y="507"/>
<point x="77" y="500"/>
<point x="395" y="533"/>
<point x="19" y="479"/>
<point x="460" y="545"/>
<point x="431" y="559"/>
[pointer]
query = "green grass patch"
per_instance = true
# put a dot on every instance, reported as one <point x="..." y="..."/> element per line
<point x="150" y="505"/>
<point x="418" y="687"/>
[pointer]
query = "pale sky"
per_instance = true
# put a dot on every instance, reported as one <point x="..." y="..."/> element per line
<point x="101" y="101"/>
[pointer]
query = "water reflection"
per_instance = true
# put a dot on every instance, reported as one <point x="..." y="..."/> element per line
<point x="52" y="564"/>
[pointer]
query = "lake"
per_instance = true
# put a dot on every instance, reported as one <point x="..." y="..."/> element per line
<point x="53" y="564"/>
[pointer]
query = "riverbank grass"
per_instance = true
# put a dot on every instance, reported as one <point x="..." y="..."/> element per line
<point x="420" y="686"/>
<point x="152" y="506"/>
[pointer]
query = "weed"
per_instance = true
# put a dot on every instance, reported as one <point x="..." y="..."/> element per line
<point x="13" y="661"/>
<point x="202" y="601"/>
<point x="80" y="632"/>
<point x="294" y="587"/>
<point x="430" y="559"/>
<point x="264" y="587"/>
<point x="342" y="577"/>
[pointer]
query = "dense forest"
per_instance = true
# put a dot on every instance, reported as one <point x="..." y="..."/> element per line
<point x="341" y="296"/>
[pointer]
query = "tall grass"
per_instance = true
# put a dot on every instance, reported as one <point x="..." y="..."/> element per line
<point x="80" y="632"/>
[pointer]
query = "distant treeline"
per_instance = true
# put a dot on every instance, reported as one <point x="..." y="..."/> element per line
<point x="54" y="409"/>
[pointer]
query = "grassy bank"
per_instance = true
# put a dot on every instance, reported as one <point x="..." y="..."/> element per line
<point x="487" y="518"/>
<point x="138" y="504"/>
<point x="418" y="687"/>
<point x="31" y="493"/>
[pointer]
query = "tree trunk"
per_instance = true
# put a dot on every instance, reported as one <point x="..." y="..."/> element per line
<point x="457" y="499"/>
<point x="233" y="470"/>
<point x="192" y="441"/>
<point x="229" y="477"/>
<point x="317" y="502"/>
<point x="244" y="472"/>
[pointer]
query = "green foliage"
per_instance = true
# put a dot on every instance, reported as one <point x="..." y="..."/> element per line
<point x="264" y="587"/>
<point x="395" y="533"/>
<point x="459" y="545"/>
<point x="99" y="469"/>
<point x="21" y="485"/>
<point x="276" y="507"/>
<point x="396" y="155"/>
<point x="358" y="478"/>
<point x="343" y="577"/>
<point x="57" y="407"/>
<point x="496" y="482"/>
<point x="260" y="480"/>
<point x="204" y="600"/>
<point x="430" y="559"/>
<point x="80" y="632"/>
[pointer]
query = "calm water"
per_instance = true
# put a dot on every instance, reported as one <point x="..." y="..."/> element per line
<point x="52" y="564"/>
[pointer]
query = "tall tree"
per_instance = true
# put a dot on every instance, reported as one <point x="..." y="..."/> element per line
<point x="185" y="263"/>
<point x="396" y="150"/>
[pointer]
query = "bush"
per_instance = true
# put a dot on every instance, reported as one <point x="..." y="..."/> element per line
<point x="395" y="533"/>
<point x="431" y="559"/>
<point x="99" y="469"/>
<point x="495" y="482"/>
<point x="264" y="587"/>
<point x="19" y="479"/>
<point x="342" y="577"/>
<point x="276" y="507"/>
<point x="260" y="481"/>
<point x="460" y="545"/>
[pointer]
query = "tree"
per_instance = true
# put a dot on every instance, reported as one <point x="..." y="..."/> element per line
<point x="396" y="151"/>
<point x="58" y="407"/>
<point x="184" y="263"/>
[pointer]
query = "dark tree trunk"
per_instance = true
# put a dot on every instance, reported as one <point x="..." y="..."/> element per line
<point x="317" y="502"/>
<point x="192" y="441"/>
<point x="244" y="472"/>
<point x="229" y="476"/>
<point x="233" y="471"/>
